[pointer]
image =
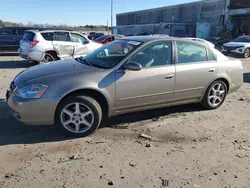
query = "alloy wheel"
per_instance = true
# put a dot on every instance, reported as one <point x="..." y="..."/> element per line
<point x="216" y="95"/>
<point x="247" y="53"/>
<point x="77" y="117"/>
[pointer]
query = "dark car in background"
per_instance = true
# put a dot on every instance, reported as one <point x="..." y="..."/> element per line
<point x="104" y="39"/>
<point x="94" y="35"/>
<point x="217" y="41"/>
<point x="11" y="36"/>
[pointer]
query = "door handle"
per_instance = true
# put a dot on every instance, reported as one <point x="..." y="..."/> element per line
<point x="169" y="76"/>
<point x="211" y="70"/>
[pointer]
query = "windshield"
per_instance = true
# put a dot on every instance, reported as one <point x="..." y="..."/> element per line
<point x="109" y="55"/>
<point x="242" y="39"/>
<point x="101" y="38"/>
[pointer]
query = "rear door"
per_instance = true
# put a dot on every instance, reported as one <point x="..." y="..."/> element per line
<point x="63" y="45"/>
<point x="25" y="43"/>
<point x="195" y="70"/>
<point x="8" y="39"/>
<point x="80" y="45"/>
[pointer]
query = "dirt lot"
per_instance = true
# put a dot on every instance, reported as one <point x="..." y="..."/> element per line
<point x="189" y="147"/>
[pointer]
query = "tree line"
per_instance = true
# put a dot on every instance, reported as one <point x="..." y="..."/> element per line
<point x="61" y="26"/>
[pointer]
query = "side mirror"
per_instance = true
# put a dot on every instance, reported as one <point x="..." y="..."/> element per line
<point x="133" y="66"/>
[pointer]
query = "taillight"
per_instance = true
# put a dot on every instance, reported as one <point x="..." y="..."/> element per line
<point x="33" y="43"/>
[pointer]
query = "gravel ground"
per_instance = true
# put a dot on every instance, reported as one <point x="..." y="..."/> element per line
<point x="190" y="147"/>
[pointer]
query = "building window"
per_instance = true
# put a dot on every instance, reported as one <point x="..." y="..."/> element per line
<point x="222" y="19"/>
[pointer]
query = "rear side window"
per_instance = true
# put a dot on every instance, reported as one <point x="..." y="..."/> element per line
<point x="47" y="36"/>
<point x="61" y="36"/>
<point x="191" y="53"/>
<point x="29" y="36"/>
<point x="7" y="31"/>
<point x="21" y="31"/>
<point x="210" y="55"/>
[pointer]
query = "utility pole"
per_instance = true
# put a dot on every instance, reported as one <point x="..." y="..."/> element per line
<point x="111" y="14"/>
<point x="107" y="26"/>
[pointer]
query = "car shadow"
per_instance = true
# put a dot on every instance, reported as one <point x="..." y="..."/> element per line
<point x="246" y="77"/>
<point x="14" y="132"/>
<point x="14" y="64"/>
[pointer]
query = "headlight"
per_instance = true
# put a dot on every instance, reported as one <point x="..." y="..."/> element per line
<point x="31" y="91"/>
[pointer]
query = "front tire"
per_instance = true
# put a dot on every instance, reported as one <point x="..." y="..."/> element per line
<point x="79" y="116"/>
<point x="246" y="53"/>
<point x="215" y="95"/>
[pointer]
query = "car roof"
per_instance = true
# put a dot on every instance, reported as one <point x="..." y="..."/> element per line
<point x="16" y="27"/>
<point x="146" y="39"/>
<point x="49" y="30"/>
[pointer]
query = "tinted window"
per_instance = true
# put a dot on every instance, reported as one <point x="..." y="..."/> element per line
<point x="61" y="36"/>
<point x="28" y="36"/>
<point x="101" y="38"/>
<point x="47" y="36"/>
<point x="157" y="54"/>
<point x="21" y="31"/>
<point x="6" y="31"/>
<point x="189" y="53"/>
<point x="78" y="38"/>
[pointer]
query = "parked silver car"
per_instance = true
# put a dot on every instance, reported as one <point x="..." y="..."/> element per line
<point x="50" y="45"/>
<point x="127" y="75"/>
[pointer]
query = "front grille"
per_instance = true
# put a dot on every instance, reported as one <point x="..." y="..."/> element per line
<point x="230" y="47"/>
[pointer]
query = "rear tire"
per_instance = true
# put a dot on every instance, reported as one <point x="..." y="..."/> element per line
<point x="79" y="116"/>
<point x="215" y="95"/>
<point x="47" y="58"/>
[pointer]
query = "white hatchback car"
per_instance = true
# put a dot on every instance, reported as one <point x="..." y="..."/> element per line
<point x="50" y="45"/>
<point x="240" y="46"/>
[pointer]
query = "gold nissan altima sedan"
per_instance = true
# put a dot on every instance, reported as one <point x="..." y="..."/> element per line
<point x="127" y="75"/>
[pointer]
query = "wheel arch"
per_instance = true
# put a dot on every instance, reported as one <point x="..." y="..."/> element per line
<point x="97" y="95"/>
<point x="53" y="53"/>
<point x="217" y="79"/>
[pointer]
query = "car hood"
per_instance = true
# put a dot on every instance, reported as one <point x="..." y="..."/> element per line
<point x="50" y="69"/>
<point x="235" y="44"/>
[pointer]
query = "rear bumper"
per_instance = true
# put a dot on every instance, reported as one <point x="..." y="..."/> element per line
<point x="32" y="55"/>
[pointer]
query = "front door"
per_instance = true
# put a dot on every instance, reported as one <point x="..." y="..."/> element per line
<point x="80" y="45"/>
<point x="63" y="45"/>
<point x="196" y="68"/>
<point x="153" y="84"/>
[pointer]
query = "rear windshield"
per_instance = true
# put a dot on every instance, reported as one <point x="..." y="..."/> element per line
<point x="29" y="36"/>
<point x="47" y="36"/>
<point x="100" y="38"/>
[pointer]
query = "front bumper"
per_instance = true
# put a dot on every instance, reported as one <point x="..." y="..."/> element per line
<point x="32" y="111"/>
<point x="236" y="51"/>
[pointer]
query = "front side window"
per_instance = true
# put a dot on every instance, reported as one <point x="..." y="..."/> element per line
<point x="190" y="53"/>
<point x="111" y="54"/>
<point x="156" y="54"/>
<point x="61" y="36"/>
<point x="78" y="38"/>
